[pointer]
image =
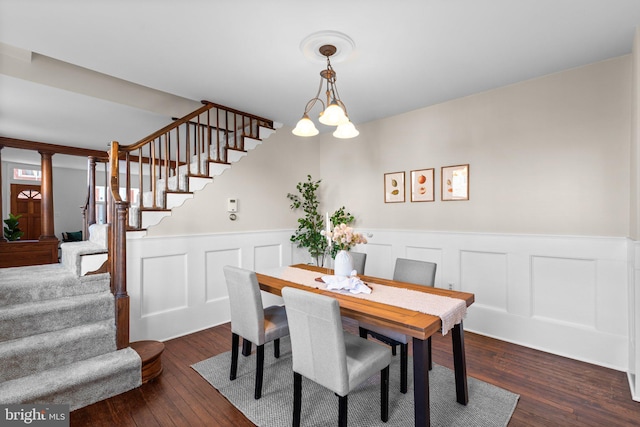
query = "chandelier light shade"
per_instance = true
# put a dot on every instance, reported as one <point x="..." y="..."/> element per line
<point x="305" y="127"/>
<point x="333" y="115"/>
<point x="334" y="112"/>
<point x="346" y="130"/>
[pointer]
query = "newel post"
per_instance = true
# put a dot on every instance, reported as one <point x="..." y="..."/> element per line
<point x="119" y="276"/>
<point x="118" y="250"/>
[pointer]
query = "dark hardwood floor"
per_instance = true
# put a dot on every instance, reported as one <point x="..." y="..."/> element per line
<point x="554" y="391"/>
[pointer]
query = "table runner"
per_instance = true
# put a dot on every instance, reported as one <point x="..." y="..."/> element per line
<point x="450" y="310"/>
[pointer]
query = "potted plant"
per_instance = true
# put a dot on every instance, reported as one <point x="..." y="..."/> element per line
<point x="313" y="233"/>
<point x="12" y="230"/>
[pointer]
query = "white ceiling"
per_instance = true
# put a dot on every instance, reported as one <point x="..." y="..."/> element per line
<point x="246" y="54"/>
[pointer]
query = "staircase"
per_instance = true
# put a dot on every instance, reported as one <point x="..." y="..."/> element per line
<point x="58" y="338"/>
<point x="165" y="169"/>
<point x="149" y="178"/>
<point x="64" y="335"/>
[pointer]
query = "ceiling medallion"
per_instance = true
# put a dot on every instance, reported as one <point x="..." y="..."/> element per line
<point x="311" y="45"/>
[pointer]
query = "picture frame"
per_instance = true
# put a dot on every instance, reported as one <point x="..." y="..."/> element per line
<point x="394" y="188"/>
<point x="423" y="185"/>
<point x="455" y="182"/>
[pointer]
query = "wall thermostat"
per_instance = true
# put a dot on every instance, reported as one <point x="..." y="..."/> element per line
<point x="232" y="205"/>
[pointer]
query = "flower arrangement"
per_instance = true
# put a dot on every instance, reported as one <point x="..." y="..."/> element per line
<point x="342" y="237"/>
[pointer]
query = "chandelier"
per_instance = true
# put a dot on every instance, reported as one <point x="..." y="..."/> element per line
<point x="334" y="112"/>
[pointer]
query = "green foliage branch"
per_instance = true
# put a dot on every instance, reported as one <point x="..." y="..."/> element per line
<point x="312" y="224"/>
<point x="340" y="216"/>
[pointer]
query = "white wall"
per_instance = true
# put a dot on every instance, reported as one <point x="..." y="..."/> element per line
<point x="69" y="194"/>
<point x="176" y="284"/>
<point x="565" y="295"/>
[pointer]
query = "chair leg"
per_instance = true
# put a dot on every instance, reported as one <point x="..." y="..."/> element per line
<point x="259" y="370"/>
<point x="404" y="359"/>
<point x="235" y="341"/>
<point x="429" y="353"/>
<point x="246" y="347"/>
<point x="363" y="332"/>
<point x="342" y="410"/>
<point x="393" y="343"/>
<point x="276" y="348"/>
<point x="393" y="349"/>
<point x="297" y="398"/>
<point x="384" y="394"/>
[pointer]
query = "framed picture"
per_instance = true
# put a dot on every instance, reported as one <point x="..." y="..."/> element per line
<point x="422" y="185"/>
<point x="394" y="187"/>
<point x="455" y="182"/>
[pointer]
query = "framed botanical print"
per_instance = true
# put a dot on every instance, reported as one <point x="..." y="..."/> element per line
<point x="394" y="187"/>
<point x="455" y="182"/>
<point x="422" y="185"/>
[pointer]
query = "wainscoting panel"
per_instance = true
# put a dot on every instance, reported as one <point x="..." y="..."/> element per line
<point x="267" y="256"/>
<point x="566" y="295"/>
<point x="428" y="255"/>
<point x="176" y="284"/>
<point x="555" y="282"/>
<point x="485" y="275"/>
<point x="156" y="298"/>
<point x="633" y="373"/>
<point x="561" y="294"/>
<point x="214" y="275"/>
<point x="380" y="259"/>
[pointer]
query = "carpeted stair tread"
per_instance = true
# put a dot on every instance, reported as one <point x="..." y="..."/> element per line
<point x="72" y="251"/>
<point x="78" y="384"/>
<point x="58" y="336"/>
<point x="22" y="320"/>
<point x="44" y="282"/>
<point x="24" y="356"/>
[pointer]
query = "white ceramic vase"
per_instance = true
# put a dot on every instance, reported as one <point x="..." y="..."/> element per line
<point x="343" y="264"/>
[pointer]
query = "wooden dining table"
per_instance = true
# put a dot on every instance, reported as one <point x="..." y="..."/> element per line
<point x="418" y="325"/>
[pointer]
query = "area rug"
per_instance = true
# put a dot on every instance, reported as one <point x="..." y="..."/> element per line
<point x="488" y="405"/>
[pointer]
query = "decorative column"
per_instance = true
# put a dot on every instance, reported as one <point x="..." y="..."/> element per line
<point x="46" y="205"/>
<point x="2" y="239"/>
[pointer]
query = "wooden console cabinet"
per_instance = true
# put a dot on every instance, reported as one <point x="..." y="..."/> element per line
<point x="28" y="252"/>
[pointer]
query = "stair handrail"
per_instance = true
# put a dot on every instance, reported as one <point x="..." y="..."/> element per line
<point x="207" y="105"/>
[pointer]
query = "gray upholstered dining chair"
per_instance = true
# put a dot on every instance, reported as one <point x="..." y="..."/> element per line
<point x="359" y="260"/>
<point x="324" y="353"/>
<point x="251" y="321"/>
<point x="409" y="271"/>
